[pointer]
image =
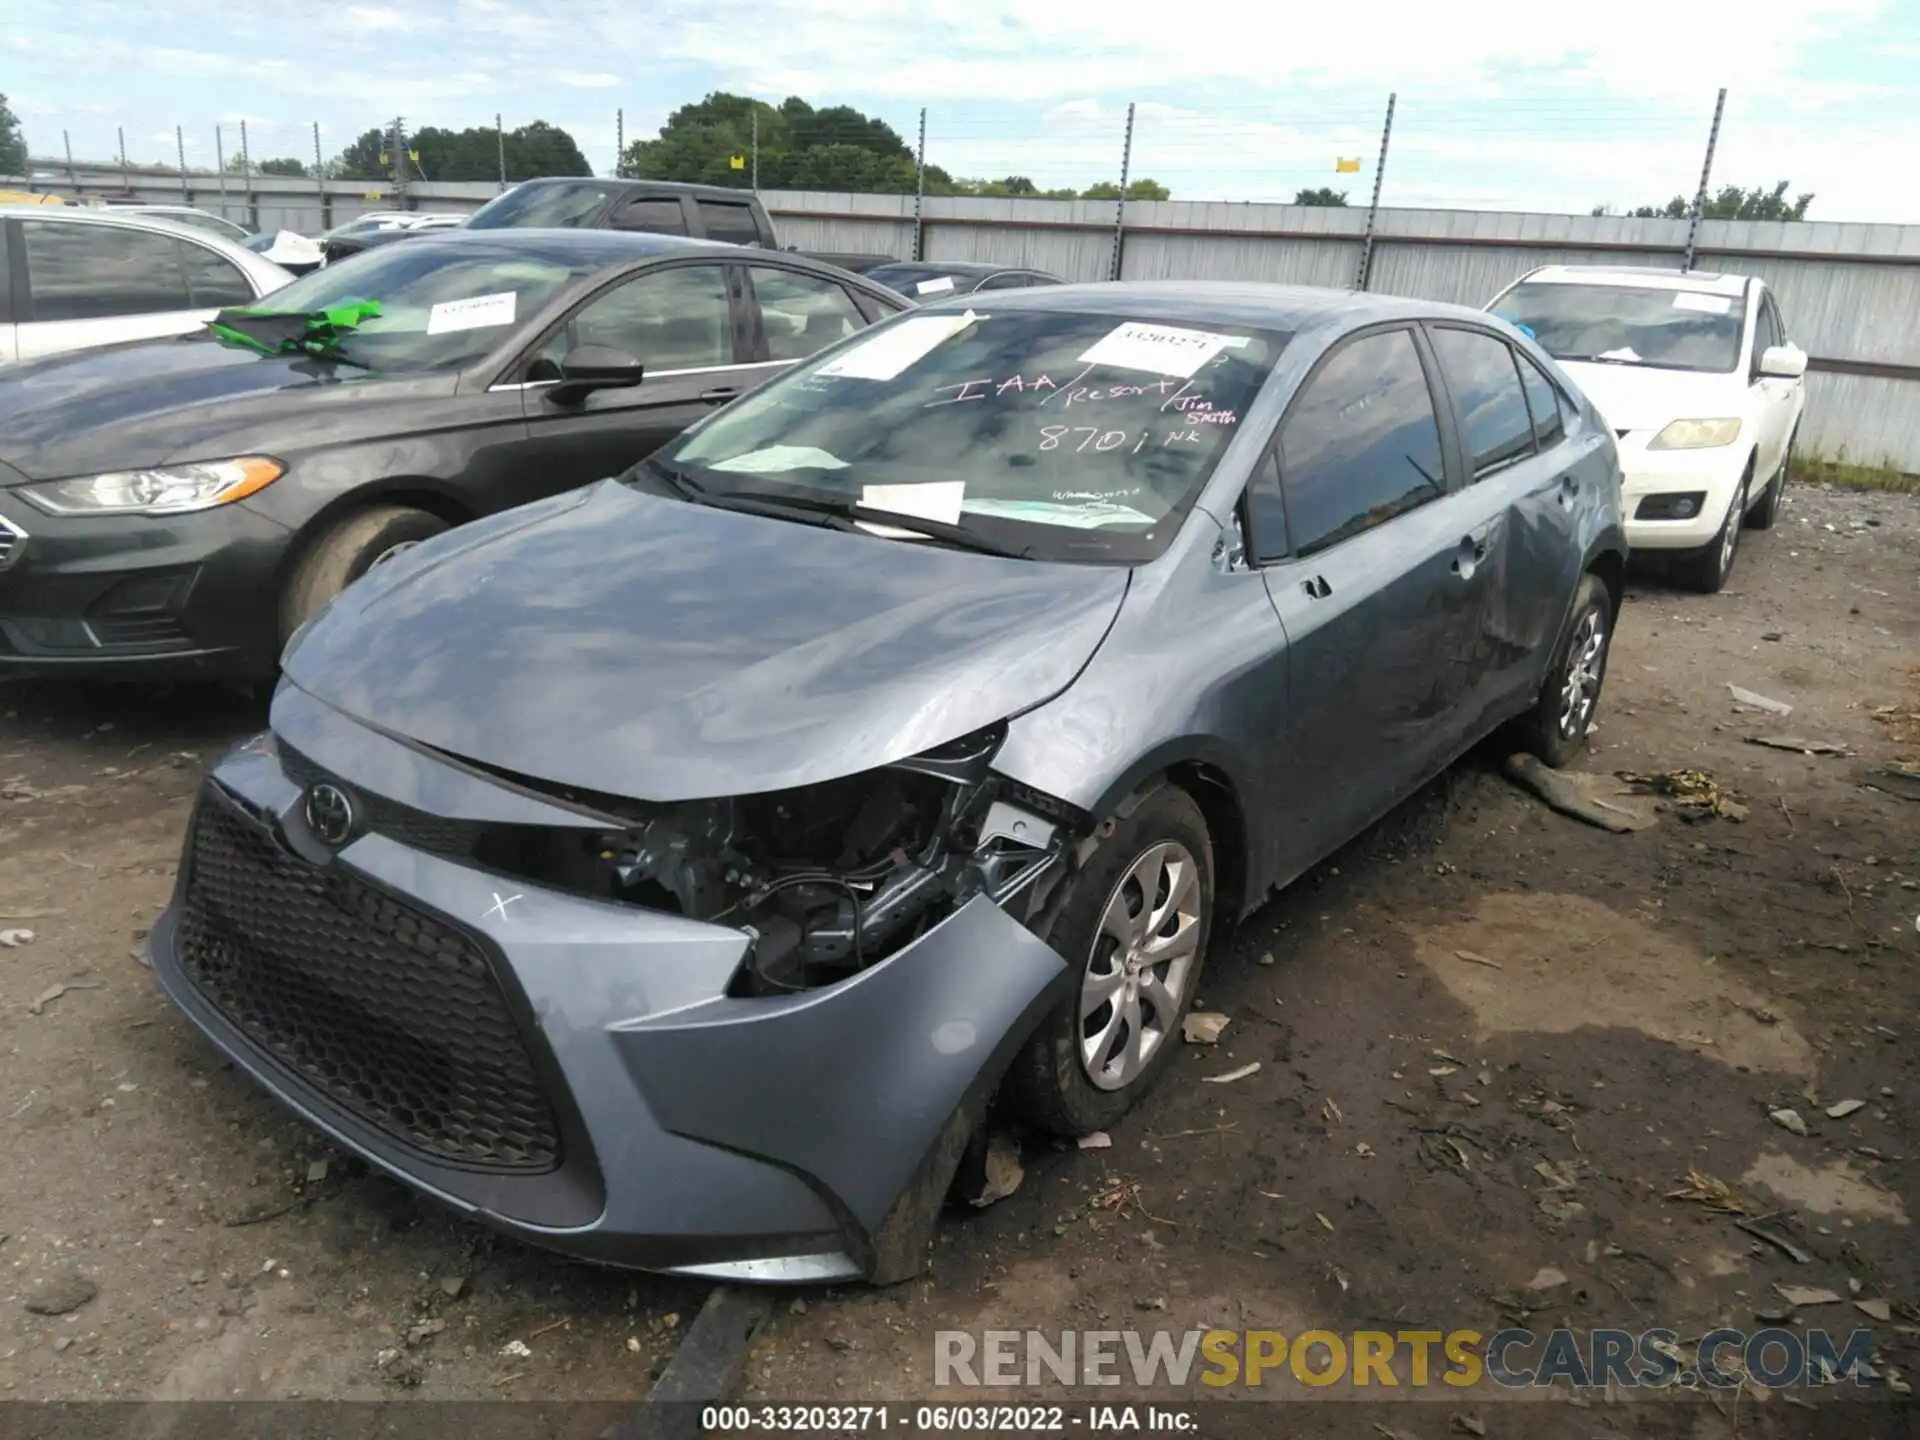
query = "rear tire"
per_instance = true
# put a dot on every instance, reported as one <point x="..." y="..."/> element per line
<point x="1557" y="727"/>
<point x="1706" y="569"/>
<point x="1157" y="860"/>
<point x="346" y="552"/>
<point x="1762" y="516"/>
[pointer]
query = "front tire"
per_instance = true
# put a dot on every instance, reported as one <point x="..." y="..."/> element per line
<point x="1706" y="569"/>
<point x="1135" y="922"/>
<point x="346" y="552"/>
<point x="1557" y="727"/>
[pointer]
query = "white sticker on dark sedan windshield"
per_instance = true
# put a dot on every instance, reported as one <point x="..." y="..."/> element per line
<point x="480" y="313"/>
<point x="1158" y="349"/>
<point x="936" y="286"/>
<point x="929" y="500"/>
<point x="1705" y="304"/>
<point x="896" y="347"/>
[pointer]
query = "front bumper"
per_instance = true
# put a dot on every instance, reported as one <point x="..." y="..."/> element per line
<point x="585" y="1084"/>
<point x="1659" y="476"/>
<point x="139" y="596"/>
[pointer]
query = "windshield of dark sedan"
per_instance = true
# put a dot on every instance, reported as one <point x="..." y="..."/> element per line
<point x="1629" y="324"/>
<point x="1065" y="435"/>
<point x="554" y="206"/>
<point x="440" y="305"/>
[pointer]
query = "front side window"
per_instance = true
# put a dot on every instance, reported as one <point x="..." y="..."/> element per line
<point x="99" y="272"/>
<point x="1487" y="398"/>
<point x="802" y="313"/>
<point x="1062" y="434"/>
<point x="1361" y="443"/>
<point x="655" y="215"/>
<point x="1661" y="328"/>
<point x="214" y="280"/>
<point x="731" y="223"/>
<point x="441" y="305"/>
<point x="564" y="205"/>
<point x="672" y="319"/>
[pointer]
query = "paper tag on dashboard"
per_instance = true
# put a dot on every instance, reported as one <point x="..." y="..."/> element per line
<point x="482" y="312"/>
<point x="901" y="344"/>
<point x="934" y="500"/>
<point x="1159" y="349"/>
<point x="939" y="285"/>
<point x="1705" y="304"/>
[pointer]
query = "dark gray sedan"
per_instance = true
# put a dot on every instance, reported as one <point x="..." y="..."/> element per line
<point x="669" y="872"/>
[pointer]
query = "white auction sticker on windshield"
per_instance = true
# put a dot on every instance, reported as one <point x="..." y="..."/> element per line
<point x="1158" y="349"/>
<point x="932" y="500"/>
<point x="1705" y="304"/>
<point x="896" y="347"/>
<point x="482" y="312"/>
<point x="939" y="285"/>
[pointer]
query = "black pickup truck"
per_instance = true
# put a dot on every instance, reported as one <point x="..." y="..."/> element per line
<point x="661" y="207"/>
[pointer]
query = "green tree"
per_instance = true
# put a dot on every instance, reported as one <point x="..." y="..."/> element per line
<point x="531" y="150"/>
<point x="13" y="144"/>
<point x="284" y="166"/>
<point x="711" y="142"/>
<point x="1730" y="203"/>
<point x="1320" y="195"/>
<point x="361" y="160"/>
<point x="1136" y="190"/>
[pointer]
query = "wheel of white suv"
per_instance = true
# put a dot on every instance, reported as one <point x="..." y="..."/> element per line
<point x="1707" y="568"/>
<point x="1134" y="924"/>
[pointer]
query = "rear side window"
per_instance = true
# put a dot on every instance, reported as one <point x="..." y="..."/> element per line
<point x="213" y="280"/>
<point x="1543" y="400"/>
<point x="731" y="223"/>
<point x="98" y="272"/>
<point x="801" y="313"/>
<point x="1487" y="399"/>
<point x="1361" y="443"/>
<point x="657" y="215"/>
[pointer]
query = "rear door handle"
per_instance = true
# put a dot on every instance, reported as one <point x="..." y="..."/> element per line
<point x="1569" y="484"/>
<point x="1317" y="588"/>
<point x="719" y="395"/>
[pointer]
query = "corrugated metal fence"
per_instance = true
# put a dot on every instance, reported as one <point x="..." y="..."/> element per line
<point x="1850" y="293"/>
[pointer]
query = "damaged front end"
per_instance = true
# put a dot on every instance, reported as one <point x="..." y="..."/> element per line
<point x="763" y="1027"/>
<point x="825" y="880"/>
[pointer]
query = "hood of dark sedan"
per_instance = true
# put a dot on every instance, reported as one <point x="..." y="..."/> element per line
<point x="661" y="650"/>
<point x="181" y="398"/>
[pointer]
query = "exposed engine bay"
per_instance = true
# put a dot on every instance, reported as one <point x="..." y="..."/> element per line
<point x="826" y="879"/>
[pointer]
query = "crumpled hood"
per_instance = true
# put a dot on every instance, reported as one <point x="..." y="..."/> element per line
<point x="148" y="402"/>
<point x="1636" y="397"/>
<point x="662" y="650"/>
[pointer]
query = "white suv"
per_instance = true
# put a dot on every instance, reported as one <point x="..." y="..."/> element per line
<point x="1704" y="391"/>
<point x="80" y="278"/>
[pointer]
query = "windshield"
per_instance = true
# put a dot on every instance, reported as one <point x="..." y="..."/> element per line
<point x="440" y="306"/>
<point x="1059" y="434"/>
<point x="1629" y="324"/>
<point x="543" y="205"/>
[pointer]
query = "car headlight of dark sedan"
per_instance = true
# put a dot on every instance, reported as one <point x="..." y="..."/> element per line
<point x="157" y="490"/>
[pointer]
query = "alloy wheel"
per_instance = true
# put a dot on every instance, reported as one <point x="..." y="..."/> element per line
<point x="1142" y="959"/>
<point x="1730" y="535"/>
<point x="1586" y="662"/>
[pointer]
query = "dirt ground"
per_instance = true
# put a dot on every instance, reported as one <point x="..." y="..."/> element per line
<point x="1491" y="1039"/>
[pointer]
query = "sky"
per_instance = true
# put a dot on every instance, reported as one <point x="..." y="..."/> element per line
<point x="1501" y="105"/>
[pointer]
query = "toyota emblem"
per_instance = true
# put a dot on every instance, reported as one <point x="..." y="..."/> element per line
<point x="330" y="813"/>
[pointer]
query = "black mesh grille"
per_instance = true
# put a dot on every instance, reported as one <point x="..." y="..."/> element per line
<point x="394" y="1015"/>
<point x="381" y="816"/>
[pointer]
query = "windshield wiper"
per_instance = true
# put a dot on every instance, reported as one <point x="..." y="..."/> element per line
<point x="958" y="536"/>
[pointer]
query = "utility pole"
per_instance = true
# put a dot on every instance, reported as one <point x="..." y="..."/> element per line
<point x="756" y="149"/>
<point x="397" y="152"/>
<point x="320" y="182"/>
<point x="620" y="143"/>
<point x="180" y="149"/>
<point x="500" y="139"/>
<point x="246" y="179"/>
<point x="220" y="169"/>
<point x="1120" y="205"/>
<point x="920" y="189"/>
<point x="1365" y="273"/>
<point x="126" y="180"/>
<point x="1706" y="172"/>
<point x="73" y="176"/>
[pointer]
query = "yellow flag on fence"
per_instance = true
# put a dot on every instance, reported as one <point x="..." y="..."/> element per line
<point x="1345" y="165"/>
<point x="738" y="162"/>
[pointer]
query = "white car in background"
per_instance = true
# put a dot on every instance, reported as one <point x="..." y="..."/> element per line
<point x="84" y="277"/>
<point x="1703" y="389"/>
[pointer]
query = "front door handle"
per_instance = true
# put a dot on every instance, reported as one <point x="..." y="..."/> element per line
<point x="1317" y="588"/>
<point x="719" y="395"/>
<point x="1473" y="549"/>
<point x="1569" y="485"/>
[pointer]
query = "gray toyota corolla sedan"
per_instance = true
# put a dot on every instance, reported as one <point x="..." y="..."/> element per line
<point x="672" y="872"/>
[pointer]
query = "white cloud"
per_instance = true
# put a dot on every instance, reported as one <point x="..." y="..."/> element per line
<point x="586" y="79"/>
<point x="380" y="20"/>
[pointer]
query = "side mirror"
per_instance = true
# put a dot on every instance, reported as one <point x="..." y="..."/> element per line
<point x="1783" y="362"/>
<point x="595" y="367"/>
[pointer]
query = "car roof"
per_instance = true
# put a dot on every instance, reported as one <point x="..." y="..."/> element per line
<point x="1646" y="277"/>
<point x="1219" y="302"/>
<point x="127" y="218"/>
<point x="955" y="267"/>
<point x="568" y="246"/>
<point x="672" y="187"/>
